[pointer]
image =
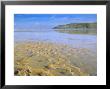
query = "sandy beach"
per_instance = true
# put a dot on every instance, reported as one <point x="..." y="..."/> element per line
<point x="52" y="59"/>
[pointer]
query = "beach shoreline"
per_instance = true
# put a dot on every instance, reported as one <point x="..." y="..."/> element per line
<point x="51" y="59"/>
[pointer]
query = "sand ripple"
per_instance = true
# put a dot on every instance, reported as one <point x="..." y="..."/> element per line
<point x="46" y="59"/>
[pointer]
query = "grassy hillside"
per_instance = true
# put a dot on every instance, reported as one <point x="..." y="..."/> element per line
<point x="77" y="28"/>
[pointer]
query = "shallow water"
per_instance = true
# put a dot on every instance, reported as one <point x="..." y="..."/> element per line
<point x="75" y="40"/>
<point x="85" y="59"/>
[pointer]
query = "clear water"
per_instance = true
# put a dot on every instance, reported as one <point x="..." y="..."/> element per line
<point x="75" y="40"/>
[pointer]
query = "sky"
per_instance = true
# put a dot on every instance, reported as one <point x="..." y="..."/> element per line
<point x="48" y="21"/>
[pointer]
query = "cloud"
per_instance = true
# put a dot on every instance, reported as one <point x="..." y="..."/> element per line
<point x="76" y="19"/>
<point x="36" y="23"/>
<point x="53" y="17"/>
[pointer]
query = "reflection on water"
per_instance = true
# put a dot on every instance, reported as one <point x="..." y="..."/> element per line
<point x="82" y="54"/>
<point x="75" y="40"/>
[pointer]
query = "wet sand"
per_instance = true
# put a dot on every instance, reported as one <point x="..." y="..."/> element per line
<point x="52" y="59"/>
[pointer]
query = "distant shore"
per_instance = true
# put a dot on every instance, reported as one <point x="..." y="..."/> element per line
<point x="93" y="32"/>
<point x="78" y="28"/>
<point x="48" y="59"/>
